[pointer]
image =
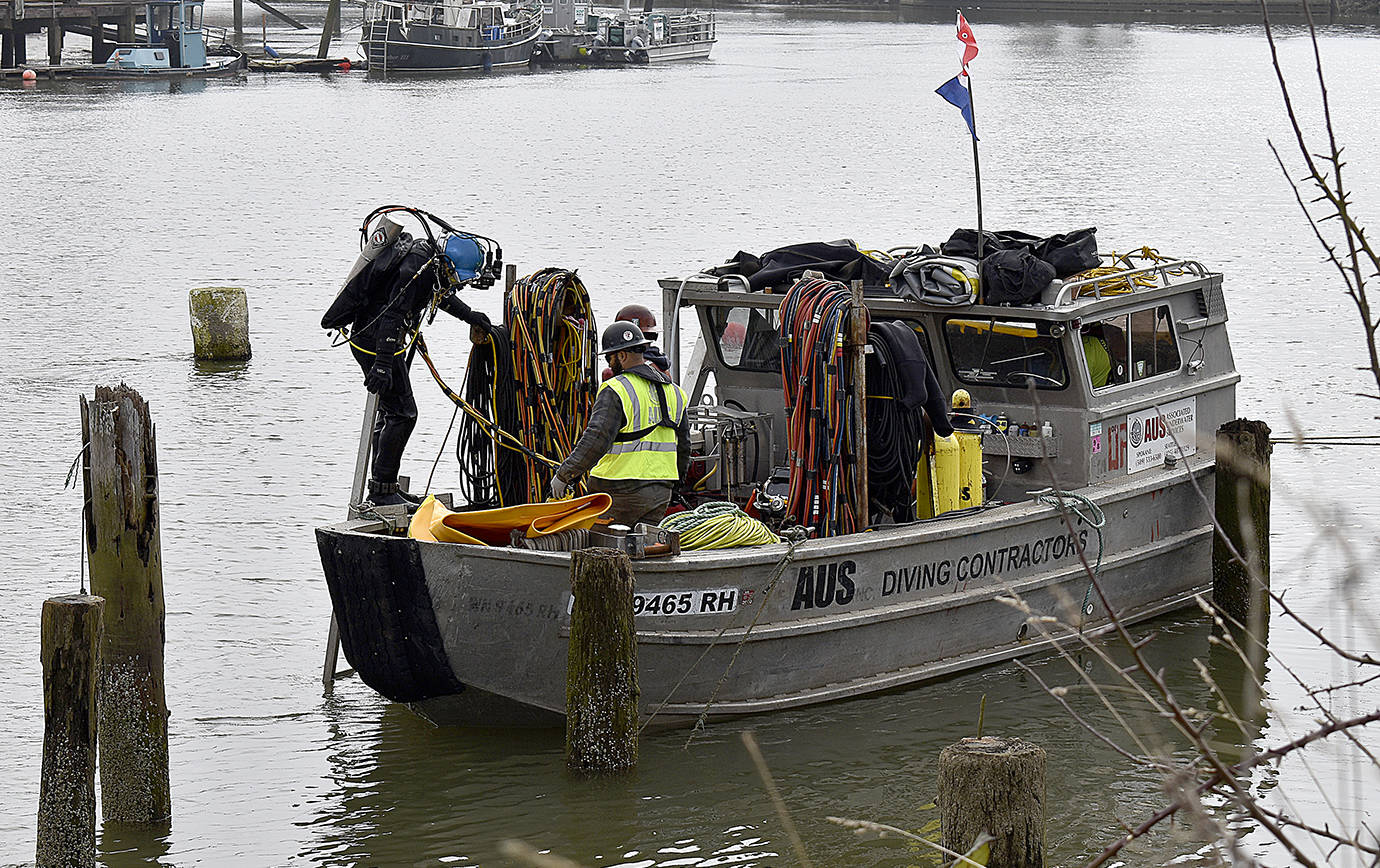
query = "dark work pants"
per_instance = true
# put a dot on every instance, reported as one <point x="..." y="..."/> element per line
<point x="393" y="424"/>
<point x="634" y="500"/>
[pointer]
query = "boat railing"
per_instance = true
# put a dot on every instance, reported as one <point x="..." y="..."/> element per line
<point x="215" y="35"/>
<point x="1158" y="275"/>
<point x="694" y="27"/>
<point x="528" y="22"/>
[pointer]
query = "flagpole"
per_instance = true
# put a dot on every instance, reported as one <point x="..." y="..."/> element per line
<point x="977" y="172"/>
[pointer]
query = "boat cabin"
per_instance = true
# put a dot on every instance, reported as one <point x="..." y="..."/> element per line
<point x="176" y="39"/>
<point x="1105" y="377"/>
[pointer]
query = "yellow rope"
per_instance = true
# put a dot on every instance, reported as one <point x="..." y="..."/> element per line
<point x="1106" y="281"/>
<point x="718" y="525"/>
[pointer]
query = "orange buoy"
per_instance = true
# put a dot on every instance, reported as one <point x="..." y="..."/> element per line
<point x="29" y="75"/>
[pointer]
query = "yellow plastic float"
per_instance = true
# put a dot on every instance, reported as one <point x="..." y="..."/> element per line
<point x="434" y="523"/>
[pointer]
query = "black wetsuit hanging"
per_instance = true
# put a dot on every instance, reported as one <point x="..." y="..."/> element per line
<point x="384" y="303"/>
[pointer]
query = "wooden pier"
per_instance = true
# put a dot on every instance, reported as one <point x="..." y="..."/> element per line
<point x="106" y="22"/>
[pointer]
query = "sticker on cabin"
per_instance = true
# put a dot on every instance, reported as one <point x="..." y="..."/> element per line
<point x="700" y="602"/>
<point x="1153" y="433"/>
<point x="1095" y="437"/>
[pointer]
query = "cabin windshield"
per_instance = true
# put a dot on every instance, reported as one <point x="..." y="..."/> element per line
<point x="746" y="337"/>
<point x="1005" y="352"/>
<point x="162" y="17"/>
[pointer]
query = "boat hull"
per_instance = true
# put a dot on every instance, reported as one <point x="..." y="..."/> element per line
<point x="469" y="635"/>
<point x="579" y="48"/>
<point x="216" y="67"/>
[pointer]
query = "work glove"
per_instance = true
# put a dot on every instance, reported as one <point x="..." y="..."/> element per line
<point x="559" y="487"/>
<point x="480" y="320"/>
<point x="380" y="376"/>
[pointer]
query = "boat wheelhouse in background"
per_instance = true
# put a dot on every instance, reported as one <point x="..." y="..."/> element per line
<point x="448" y="35"/>
<point x="474" y="634"/>
<point x="178" y="45"/>
<point x="578" y="33"/>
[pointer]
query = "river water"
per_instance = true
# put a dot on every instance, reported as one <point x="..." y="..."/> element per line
<point x="804" y="125"/>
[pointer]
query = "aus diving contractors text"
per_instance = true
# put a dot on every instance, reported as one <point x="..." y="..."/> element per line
<point x="833" y="584"/>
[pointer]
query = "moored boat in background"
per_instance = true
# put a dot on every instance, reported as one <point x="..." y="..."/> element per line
<point x="449" y="35"/>
<point x="578" y="34"/>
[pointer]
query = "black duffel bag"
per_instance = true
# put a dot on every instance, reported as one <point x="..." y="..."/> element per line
<point x="1014" y="277"/>
<point x="1070" y="252"/>
<point x="964" y="242"/>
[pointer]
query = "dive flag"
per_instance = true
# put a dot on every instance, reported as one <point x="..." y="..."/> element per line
<point x="965" y="35"/>
<point x="955" y="90"/>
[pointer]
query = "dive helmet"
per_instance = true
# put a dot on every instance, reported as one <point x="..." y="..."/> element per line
<point x="645" y="319"/>
<point x="464" y="256"/>
<point x="622" y="335"/>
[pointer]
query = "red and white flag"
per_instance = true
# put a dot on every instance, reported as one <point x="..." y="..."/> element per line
<point x="965" y="35"/>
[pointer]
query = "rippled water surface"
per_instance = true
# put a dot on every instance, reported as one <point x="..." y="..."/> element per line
<point x="120" y="198"/>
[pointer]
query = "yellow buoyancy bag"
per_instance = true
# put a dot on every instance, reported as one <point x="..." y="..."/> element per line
<point x="944" y="474"/>
<point x="967" y="430"/>
<point x="434" y="523"/>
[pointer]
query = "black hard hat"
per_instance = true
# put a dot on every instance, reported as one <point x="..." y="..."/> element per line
<point x="622" y="335"/>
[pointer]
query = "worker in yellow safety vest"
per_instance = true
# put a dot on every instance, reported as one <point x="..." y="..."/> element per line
<point x="636" y="443"/>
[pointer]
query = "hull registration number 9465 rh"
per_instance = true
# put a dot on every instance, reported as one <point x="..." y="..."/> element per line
<point x="701" y="602"/>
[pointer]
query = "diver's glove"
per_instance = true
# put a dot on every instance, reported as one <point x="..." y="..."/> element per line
<point x="380" y="376"/>
<point x="480" y="320"/>
<point x="559" y="487"/>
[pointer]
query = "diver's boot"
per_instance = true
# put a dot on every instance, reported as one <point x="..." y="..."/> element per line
<point x="387" y="494"/>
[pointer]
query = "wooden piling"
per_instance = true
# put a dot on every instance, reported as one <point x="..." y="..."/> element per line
<point x="7" y="38"/>
<point x="100" y="48"/>
<point x="601" y="692"/>
<point x="328" y="28"/>
<point x="126" y="26"/>
<point x="997" y="786"/>
<point x="1243" y="514"/>
<point x="70" y="650"/>
<point x="220" y="323"/>
<point x="120" y="475"/>
<point x="54" y="43"/>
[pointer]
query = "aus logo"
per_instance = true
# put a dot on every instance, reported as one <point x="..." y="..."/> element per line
<point x="820" y="585"/>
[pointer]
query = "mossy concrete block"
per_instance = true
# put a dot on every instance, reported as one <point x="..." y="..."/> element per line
<point x="220" y="323"/>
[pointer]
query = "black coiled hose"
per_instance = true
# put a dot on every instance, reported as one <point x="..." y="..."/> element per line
<point x="491" y="474"/>
<point x="893" y="433"/>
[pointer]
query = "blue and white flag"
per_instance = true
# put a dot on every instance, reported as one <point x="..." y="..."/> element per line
<point x="955" y="91"/>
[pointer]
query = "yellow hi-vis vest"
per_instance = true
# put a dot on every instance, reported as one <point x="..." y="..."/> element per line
<point x="646" y="444"/>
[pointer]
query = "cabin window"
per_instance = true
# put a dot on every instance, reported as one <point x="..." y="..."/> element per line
<point x="438" y="15"/>
<point x="746" y="338"/>
<point x="162" y="18"/>
<point x="193" y="17"/>
<point x="1008" y="353"/>
<point x="1130" y="347"/>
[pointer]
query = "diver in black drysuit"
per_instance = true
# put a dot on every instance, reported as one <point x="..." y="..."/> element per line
<point x="385" y="302"/>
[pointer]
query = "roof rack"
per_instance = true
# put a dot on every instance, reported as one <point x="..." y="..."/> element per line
<point x="1120" y="282"/>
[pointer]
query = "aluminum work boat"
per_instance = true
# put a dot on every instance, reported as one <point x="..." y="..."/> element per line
<point x="477" y="635"/>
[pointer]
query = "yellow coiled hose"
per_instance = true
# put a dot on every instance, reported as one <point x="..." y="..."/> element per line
<point x="718" y="525"/>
